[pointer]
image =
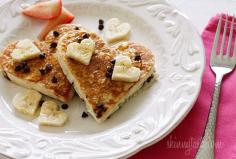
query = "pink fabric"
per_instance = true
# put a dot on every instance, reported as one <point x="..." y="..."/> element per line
<point x="183" y="142"/>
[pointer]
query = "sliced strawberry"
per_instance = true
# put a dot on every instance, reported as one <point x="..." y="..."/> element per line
<point x="65" y="17"/>
<point x="44" y="10"/>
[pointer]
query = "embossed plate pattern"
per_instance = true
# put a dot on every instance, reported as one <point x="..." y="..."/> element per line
<point x="143" y="120"/>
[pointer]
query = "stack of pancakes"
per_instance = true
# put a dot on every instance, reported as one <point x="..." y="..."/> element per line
<point x="56" y="75"/>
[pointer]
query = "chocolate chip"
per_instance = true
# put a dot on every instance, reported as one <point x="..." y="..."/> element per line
<point x="23" y="64"/>
<point x="56" y="33"/>
<point x="100" y="109"/>
<point x="26" y="69"/>
<point x="77" y="28"/>
<point x="42" y="56"/>
<point x="42" y="71"/>
<point x="53" y="45"/>
<point x="100" y="26"/>
<point x="108" y="75"/>
<point x="109" y="72"/>
<point x="137" y="58"/>
<point x="48" y="67"/>
<point x="64" y="106"/>
<point x="54" y="79"/>
<point x="100" y="106"/>
<point x="150" y="78"/>
<point x="86" y="36"/>
<point x="79" y="40"/>
<point x="113" y="62"/>
<point x="18" y="68"/>
<point x="84" y="115"/>
<point x="101" y="21"/>
<point x="41" y="102"/>
<point x="99" y="114"/>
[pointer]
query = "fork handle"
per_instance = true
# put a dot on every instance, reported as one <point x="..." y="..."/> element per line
<point x="206" y="149"/>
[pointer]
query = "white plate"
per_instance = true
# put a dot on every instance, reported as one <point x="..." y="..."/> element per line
<point x="143" y="120"/>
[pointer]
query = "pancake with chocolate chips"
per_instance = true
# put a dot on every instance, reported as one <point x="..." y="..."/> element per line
<point x="54" y="35"/>
<point x="42" y="73"/>
<point x="93" y="82"/>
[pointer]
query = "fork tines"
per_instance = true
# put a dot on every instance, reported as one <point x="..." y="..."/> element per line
<point x="215" y="54"/>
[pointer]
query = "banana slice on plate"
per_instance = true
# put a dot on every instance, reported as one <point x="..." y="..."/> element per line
<point x="25" y="50"/>
<point x="124" y="71"/>
<point x="50" y="115"/>
<point x="28" y="102"/>
<point x="115" y="30"/>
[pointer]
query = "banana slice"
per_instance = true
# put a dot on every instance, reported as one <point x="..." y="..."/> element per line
<point x="115" y="30"/>
<point x="25" y="50"/>
<point x="81" y="52"/>
<point x="51" y="116"/>
<point x="123" y="70"/>
<point x="28" y="102"/>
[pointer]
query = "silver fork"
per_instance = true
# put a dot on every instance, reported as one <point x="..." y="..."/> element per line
<point x="220" y="65"/>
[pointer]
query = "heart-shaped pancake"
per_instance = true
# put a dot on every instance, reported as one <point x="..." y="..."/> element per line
<point x="93" y="82"/>
<point x="42" y="73"/>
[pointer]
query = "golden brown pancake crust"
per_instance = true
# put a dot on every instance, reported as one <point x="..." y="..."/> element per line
<point x="101" y="92"/>
<point x="61" y="88"/>
<point x="59" y="31"/>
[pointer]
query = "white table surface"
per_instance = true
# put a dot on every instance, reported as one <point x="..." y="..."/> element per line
<point x="200" y="11"/>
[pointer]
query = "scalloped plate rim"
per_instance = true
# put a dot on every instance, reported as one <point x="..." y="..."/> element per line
<point x="176" y="123"/>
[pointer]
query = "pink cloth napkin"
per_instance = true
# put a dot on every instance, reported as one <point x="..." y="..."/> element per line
<point x="184" y="141"/>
